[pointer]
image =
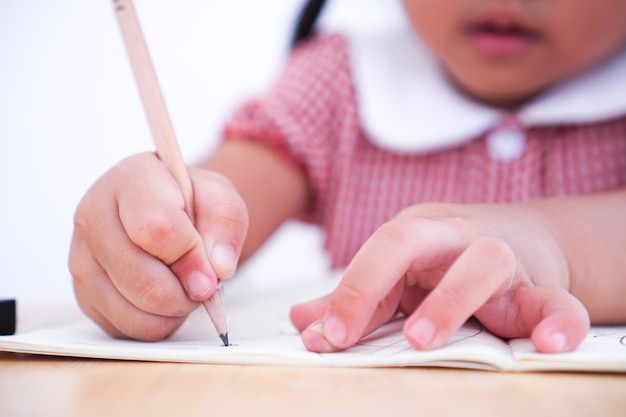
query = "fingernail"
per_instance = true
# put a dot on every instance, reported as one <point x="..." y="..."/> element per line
<point x="223" y="258"/>
<point x="314" y="340"/>
<point x="335" y="331"/>
<point x="198" y="285"/>
<point x="558" y="342"/>
<point x="423" y="332"/>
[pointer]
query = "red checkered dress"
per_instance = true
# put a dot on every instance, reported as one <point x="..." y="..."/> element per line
<point x="311" y="118"/>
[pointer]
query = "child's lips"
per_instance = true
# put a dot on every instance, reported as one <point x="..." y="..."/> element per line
<point x="504" y="38"/>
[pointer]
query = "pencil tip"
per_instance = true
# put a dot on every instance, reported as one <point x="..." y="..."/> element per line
<point x="224" y="337"/>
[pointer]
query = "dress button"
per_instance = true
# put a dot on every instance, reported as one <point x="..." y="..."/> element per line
<point x="506" y="143"/>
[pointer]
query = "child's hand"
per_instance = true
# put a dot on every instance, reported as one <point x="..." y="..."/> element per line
<point x="440" y="264"/>
<point x="140" y="265"/>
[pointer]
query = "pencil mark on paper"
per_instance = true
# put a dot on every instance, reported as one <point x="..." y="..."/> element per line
<point x="389" y="340"/>
<point x="607" y="335"/>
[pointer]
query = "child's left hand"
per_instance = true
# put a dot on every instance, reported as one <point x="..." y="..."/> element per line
<point x="440" y="264"/>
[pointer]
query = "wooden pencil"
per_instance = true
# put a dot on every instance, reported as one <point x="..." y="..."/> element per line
<point x="162" y="131"/>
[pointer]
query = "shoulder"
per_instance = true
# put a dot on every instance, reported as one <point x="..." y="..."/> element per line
<point x="316" y="84"/>
<point x="325" y="57"/>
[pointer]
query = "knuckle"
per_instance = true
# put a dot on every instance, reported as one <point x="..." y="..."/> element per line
<point x="212" y="177"/>
<point x="350" y="292"/>
<point x="429" y="211"/>
<point x="84" y="216"/>
<point x="153" y="296"/>
<point x="232" y="211"/>
<point x="75" y="267"/>
<point x="81" y="218"/>
<point x="220" y="197"/>
<point x="456" y="303"/>
<point x="80" y="287"/>
<point x="74" y="261"/>
<point x="80" y="266"/>
<point x="151" y="230"/>
<point x="499" y="253"/>
<point x="129" y="166"/>
<point x="397" y="231"/>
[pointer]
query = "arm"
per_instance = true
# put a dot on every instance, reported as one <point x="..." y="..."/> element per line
<point x="538" y="270"/>
<point x="273" y="190"/>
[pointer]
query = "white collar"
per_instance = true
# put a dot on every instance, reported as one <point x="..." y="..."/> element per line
<point x="407" y="104"/>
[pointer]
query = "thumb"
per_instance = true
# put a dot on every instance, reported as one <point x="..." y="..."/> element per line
<point x="559" y="323"/>
<point x="221" y="220"/>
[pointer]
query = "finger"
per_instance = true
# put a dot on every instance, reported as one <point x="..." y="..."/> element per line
<point x="304" y="314"/>
<point x="483" y="271"/>
<point x="371" y="287"/>
<point x="101" y="301"/>
<point x="222" y="221"/>
<point x="120" y="319"/>
<point x="152" y="212"/>
<point x="314" y="337"/>
<point x="142" y="279"/>
<point x="558" y="323"/>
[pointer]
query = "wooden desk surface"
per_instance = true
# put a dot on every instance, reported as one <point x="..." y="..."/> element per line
<point x="46" y="386"/>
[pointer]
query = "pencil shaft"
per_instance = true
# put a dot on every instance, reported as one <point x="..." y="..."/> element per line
<point x="215" y="307"/>
<point x="161" y="128"/>
<point x="152" y="98"/>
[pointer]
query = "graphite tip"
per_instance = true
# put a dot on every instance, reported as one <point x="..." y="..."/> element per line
<point x="224" y="337"/>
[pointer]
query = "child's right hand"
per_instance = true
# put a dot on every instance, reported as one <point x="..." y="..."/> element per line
<point x="139" y="264"/>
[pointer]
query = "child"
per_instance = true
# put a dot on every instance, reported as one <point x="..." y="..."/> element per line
<point x="473" y="165"/>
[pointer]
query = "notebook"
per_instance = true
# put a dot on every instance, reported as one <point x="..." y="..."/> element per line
<point x="261" y="334"/>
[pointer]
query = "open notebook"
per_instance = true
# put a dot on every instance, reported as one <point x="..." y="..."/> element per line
<point x="262" y="334"/>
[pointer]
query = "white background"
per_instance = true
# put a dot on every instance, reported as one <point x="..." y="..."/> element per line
<point x="69" y="110"/>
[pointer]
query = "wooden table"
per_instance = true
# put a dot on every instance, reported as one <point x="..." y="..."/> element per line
<point x="46" y="386"/>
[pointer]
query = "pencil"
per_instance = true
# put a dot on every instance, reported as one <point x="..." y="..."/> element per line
<point x="163" y="132"/>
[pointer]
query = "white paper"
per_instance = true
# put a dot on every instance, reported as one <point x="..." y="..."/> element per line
<point x="261" y="334"/>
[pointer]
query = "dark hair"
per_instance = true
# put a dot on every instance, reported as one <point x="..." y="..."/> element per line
<point x="305" y="25"/>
